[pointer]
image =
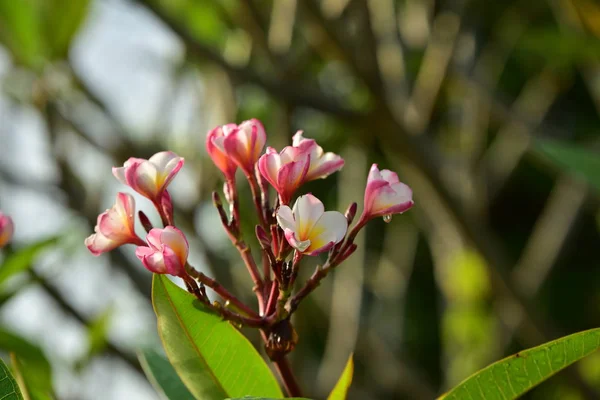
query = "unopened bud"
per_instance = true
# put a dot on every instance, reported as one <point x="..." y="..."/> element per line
<point x="145" y="221"/>
<point x="351" y="212"/>
<point x="216" y="199"/>
<point x="167" y="205"/>
<point x="219" y="206"/>
<point x="351" y="249"/>
<point x="262" y="237"/>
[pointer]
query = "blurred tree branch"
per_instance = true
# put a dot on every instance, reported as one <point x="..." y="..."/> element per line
<point x="111" y="348"/>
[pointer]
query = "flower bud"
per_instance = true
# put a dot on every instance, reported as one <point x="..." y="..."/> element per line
<point x="385" y="195"/>
<point x="262" y="237"/>
<point x="351" y="212"/>
<point x="145" y="221"/>
<point x="7" y="229"/>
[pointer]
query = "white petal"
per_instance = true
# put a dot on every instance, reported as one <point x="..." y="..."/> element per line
<point x="331" y="227"/>
<point x="389" y="176"/>
<point x="285" y="218"/>
<point x="307" y="211"/>
<point x="165" y="160"/>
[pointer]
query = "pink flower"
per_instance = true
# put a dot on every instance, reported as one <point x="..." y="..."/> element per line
<point x="7" y="228"/>
<point x="321" y="164"/>
<point x="115" y="227"/>
<point x="216" y="150"/>
<point x="150" y="177"/>
<point x="166" y="253"/>
<point x="309" y="228"/>
<point x="385" y="195"/>
<point x="243" y="143"/>
<point x="285" y="171"/>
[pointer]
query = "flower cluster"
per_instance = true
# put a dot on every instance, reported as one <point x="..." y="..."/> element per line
<point x="286" y="232"/>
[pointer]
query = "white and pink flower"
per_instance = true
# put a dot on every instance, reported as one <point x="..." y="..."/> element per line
<point x="216" y="150"/>
<point x="166" y="253"/>
<point x="321" y="164"/>
<point x="115" y="227"/>
<point x="7" y="229"/>
<point x="310" y="229"/>
<point x="385" y="195"/>
<point x="150" y="177"/>
<point x="285" y="171"/>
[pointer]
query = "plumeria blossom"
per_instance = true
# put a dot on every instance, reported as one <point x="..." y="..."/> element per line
<point x="309" y="228"/>
<point x="241" y="143"/>
<point x="115" y="227"/>
<point x="166" y="253"/>
<point x="385" y="194"/>
<point x="216" y="150"/>
<point x="285" y="171"/>
<point x="150" y="177"/>
<point x="321" y="164"/>
<point x="7" y="229"/>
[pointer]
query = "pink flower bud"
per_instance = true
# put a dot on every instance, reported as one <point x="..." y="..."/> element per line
<point x="309" y="228"/>
<point x="351" y="212"/>
<point x="285" y="171"/>
<point x="385" y="195"/>
<point x="166" y="253"/>
<point x="244" y="143"/>
<point x="150" y="177"/>
<point x="115" y="227"/>
<point x="7" y="229"/>
<point x="321" y="164"/>
<point x="216" y="150"/>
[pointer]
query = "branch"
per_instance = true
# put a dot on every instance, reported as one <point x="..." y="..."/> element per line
<point x="299" y="96"/>
<point x="66" y="306"/>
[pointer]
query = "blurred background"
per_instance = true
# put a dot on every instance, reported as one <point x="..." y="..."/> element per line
<point x="490" y="111"/>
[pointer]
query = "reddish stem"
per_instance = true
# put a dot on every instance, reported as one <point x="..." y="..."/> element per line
<point x="221" y="291"/>
<point x="257" y="199"/>
<point x="288" y="378"/>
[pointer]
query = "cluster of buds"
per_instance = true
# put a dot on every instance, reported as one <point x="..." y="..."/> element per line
<point x="7" y="229"/>
<point x="285" y="234"/>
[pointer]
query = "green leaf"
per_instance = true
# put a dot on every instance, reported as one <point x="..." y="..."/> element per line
<point x="62" y="19"/>
<point x="515" y="375"/>
<point x="213" y="359"/>
<point x="560" y="48"/>
<point x="340" y="391"/>
<point x="22" y="260"/>
<point x="98" y="331"/>
<point x="9" y="390"/>
<point x="20" y="31"/>
<point x="575" y="159"/>
<point x="38" y="378"/>
<point x="162" y="376"/>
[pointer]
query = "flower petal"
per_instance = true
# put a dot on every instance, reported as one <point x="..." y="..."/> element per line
<point x="300" y="245"/>
<point x="285" y="218"/>
<point x="97" y="244"/>
<point x="307" y="211"/>
<point x="330" y="229"/>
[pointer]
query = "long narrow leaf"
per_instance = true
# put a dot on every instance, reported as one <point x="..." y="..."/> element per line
<point x="512" y="377"/>
<point x="340" y="391"/>
<point x="9" y="390"/>
<point x="162" y="376"/>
